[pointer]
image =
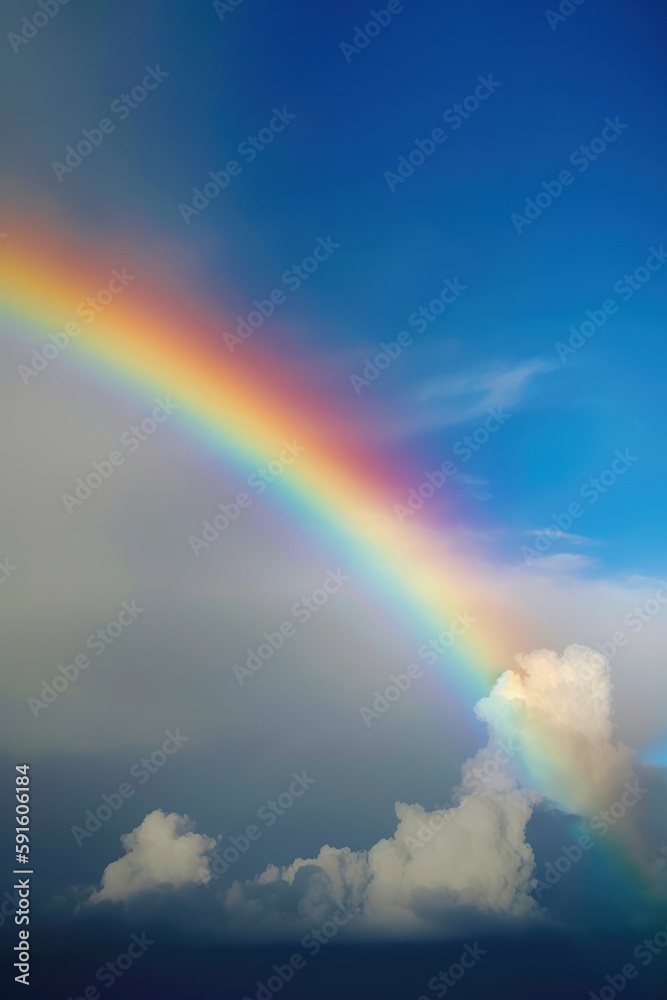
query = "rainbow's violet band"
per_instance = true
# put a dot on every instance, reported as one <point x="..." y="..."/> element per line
<point x="244" y="408"/>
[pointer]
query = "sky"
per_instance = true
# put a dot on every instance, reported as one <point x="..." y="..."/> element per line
<point x="428" y="251"/>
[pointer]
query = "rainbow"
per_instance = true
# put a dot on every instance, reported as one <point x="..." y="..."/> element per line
<point x="157" y="338"/>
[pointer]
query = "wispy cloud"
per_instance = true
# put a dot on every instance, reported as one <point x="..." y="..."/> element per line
<point x="563" y="562"/>
<point x="563" y="536"/>
<point x="450" y="399"/>
<point x="462" y="477"/>
<point x="477" y="486"/>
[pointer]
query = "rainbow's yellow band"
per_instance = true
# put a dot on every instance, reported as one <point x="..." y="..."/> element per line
<point x="245" y="404"/>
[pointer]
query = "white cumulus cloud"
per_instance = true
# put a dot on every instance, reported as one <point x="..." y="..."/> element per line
<point x="559" y="710"/>
<point x="163" y="851"/>
<point x="436" y="866"/>
<point x="551" y="738"/>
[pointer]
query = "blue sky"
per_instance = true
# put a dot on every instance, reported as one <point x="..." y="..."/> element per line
<point x="323" y="177"/>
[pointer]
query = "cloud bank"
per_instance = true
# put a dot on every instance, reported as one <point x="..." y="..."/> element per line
<point x="550" y="741"/>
